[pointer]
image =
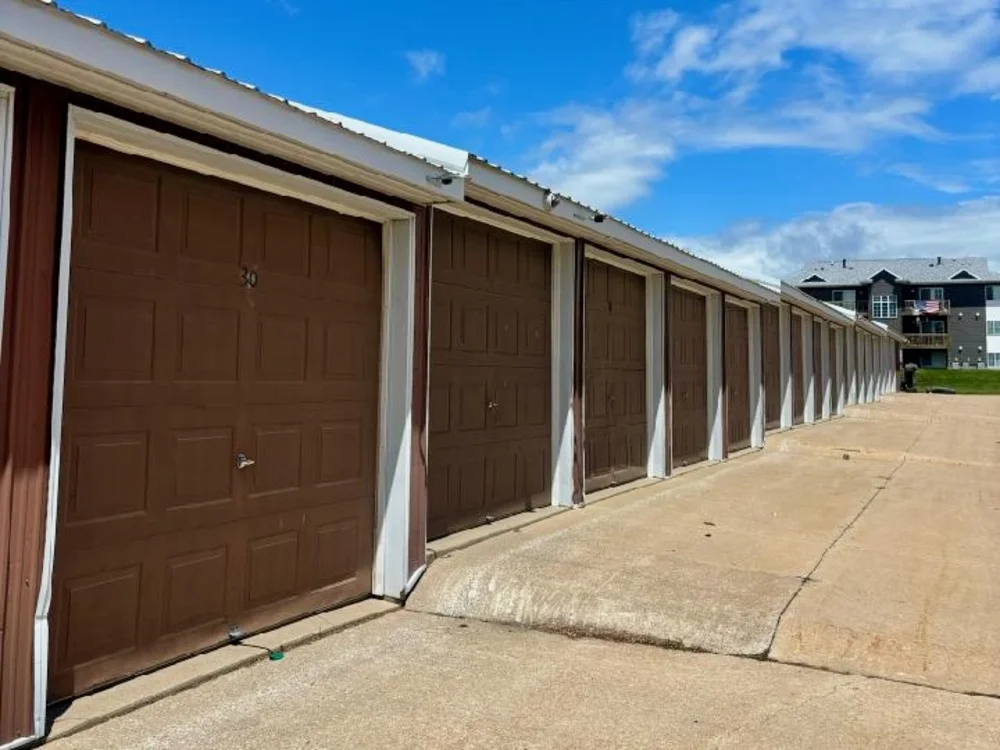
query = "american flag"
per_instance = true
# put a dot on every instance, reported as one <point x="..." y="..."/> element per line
<point x="929" y="306"/>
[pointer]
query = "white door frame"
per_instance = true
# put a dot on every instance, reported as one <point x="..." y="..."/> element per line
<point x="390" y="565"/>
<point x="656" y="393"/>
<point x="6" y="159"/>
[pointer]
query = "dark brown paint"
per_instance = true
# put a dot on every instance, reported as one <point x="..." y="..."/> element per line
<point x="796" y="349"/>
<point x="25" y="384"/>
<point x="770" y="328"/>
<point x="689" y="378"/>
<point x="615" y="375"/>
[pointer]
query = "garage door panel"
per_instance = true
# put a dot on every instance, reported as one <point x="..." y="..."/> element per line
<point x="771" y="363"/>
<point x="737" y="377"/>
<point x="798" y="373"/>
<point x="689" y="368"/>
<point x="174" y="366"/>
<point x="817" y="355"/>
<point x="489" y="373"/>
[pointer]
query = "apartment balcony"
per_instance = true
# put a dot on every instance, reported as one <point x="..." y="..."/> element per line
<point x="926" y="307"/>
<point x="927" y="340"/>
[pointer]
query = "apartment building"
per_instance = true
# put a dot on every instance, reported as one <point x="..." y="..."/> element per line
<point x="947" y="308"/>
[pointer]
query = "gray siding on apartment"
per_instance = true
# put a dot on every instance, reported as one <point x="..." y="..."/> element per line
<point x="969" y="330"/>
<point x="883" y="288"/>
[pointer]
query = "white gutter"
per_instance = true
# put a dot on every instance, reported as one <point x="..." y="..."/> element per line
<point x="828" y="312"/>
<point x="43" y="41"/>
<point x="520" y="196"/>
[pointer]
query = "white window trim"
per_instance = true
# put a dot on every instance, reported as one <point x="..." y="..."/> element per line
<point x="892" y="303"/>
<point x="390" y="564"/>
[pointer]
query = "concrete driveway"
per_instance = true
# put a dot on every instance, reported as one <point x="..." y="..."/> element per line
<point x="866" y="545"/>
<point x="826" y="570"/>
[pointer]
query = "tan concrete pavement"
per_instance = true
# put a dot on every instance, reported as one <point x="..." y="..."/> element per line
<point x="414" y="681"/>
<point x="706" y="561"/>
<point x="898" y="543"/>
<point x="912" y="591"/>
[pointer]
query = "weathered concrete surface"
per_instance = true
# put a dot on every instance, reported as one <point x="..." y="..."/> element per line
<point x="705" y="561"/>
<point x="909" y="591"/>
<point x="414" y="681"/>
<point x="912" y="591"/>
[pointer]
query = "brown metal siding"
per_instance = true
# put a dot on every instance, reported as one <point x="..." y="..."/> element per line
<point x="615" y="376"/>
<point x="39" y="135"/>
<point x="737" y="377"/>
<point x="770" y="329"/>
<point x="490" y="375"/>
<point x="798" y="374"/>
<point x="689" y="375"/>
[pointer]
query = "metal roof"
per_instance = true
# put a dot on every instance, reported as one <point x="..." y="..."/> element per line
<point x="857" y="272"/>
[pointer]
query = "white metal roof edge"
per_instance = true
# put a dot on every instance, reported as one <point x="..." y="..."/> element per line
<point x="499" y="182"/>
<point x="831" y="313"/>
<point x="39" y="38"/>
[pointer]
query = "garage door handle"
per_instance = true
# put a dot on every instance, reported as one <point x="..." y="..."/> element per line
<point x="242" y="462"/>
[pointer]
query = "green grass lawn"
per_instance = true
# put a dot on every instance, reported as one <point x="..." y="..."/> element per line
<point x="963" y="381"/>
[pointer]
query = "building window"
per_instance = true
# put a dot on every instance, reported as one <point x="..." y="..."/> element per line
<point x="844" y="298"/>
<point x="993" y="327"/>
<point x="993" y="294"/>
<point x="885" y="307"/>
<point x="932" y="326"/>
<point x="931" y="293"/>
<point x="993" y="359"/>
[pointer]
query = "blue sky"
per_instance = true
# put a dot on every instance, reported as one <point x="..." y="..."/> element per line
<point x="760" y="132"/>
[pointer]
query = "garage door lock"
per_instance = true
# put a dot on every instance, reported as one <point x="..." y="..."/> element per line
<point x="242" y="462"/>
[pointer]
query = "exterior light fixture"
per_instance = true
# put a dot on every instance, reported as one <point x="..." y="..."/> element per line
<point x="977" y="316"/>
<point x="440" y="179"/>
<point x="551" y="200"/>
<point x="961" y="315"/>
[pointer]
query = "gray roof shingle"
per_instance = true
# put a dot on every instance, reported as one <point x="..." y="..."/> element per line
<point x="854" y="272"/>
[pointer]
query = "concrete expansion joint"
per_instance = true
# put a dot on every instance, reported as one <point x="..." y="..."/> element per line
<point x="843" y="532"/>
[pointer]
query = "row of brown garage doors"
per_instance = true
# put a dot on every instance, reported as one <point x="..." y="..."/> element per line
<point x="221" y="405"/>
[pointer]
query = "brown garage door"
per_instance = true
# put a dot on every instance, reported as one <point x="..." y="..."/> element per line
<point x="173" y="370"/>
<point x="689" y="377"/>
<point x="737" y="377"/>
<point x="817" y="369"/>
<point x="798" y="376"/>
<point x="771" y="360"/>
<point x="615" y="376"/>
<point x="490" y="375"/>
<point x="834" y="369"/>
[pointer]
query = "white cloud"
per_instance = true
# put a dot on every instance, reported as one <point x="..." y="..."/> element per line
<point x="944" y="184"/>
<point x="829" y="75"/>
<point x="856" y="230"/>
<point x="475" y="118"/>
<point x="425" y="63"/>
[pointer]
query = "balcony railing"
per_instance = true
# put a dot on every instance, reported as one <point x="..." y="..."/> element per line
<point x="928" y="340"/>
<point x="926" y="307"/>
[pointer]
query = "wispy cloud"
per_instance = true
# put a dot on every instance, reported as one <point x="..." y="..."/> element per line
<point x="856" y="230"/>
<point x="425" y="63"/>
<point x="945" y="184"/>
<point x="285" y="6"/>
<point x="475" y="118"/>
<point x="805" y="74"/>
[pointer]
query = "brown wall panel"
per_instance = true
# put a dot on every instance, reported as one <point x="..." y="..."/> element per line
<point x="817" y="370"/>
<point x="39" y="135"/>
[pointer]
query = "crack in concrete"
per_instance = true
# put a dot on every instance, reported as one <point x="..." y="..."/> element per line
<point x="809" y="577"/>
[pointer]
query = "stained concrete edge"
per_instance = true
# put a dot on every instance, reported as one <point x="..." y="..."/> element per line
<point x="125" y="697"/>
